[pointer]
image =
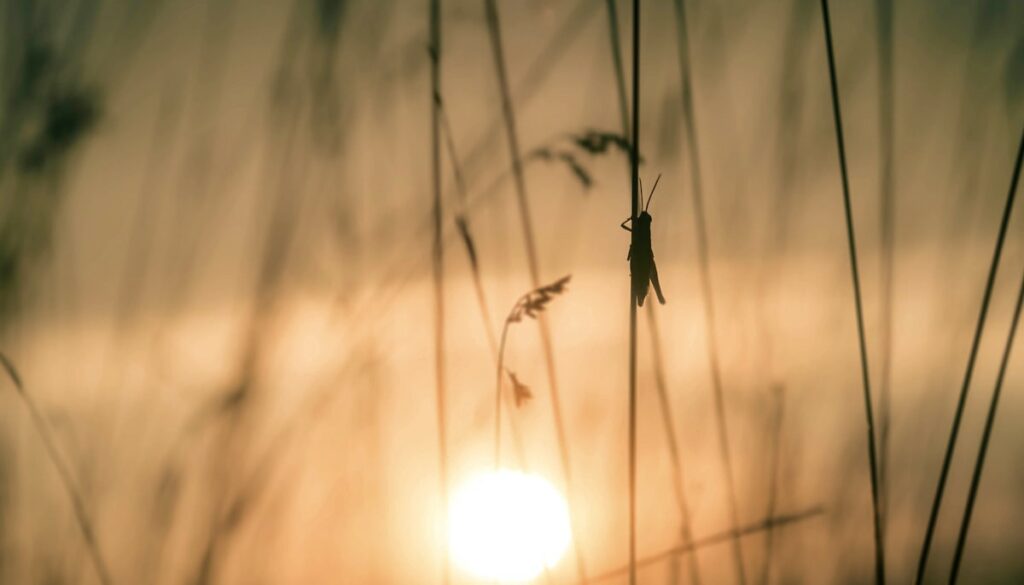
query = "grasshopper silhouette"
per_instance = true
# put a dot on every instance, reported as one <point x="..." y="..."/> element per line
<point x="642" y="269"/>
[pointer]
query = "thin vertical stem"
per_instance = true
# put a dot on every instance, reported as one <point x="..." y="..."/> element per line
<point x="85" y="523"/>
<point x="986" y="436"/>
<point x="979" y="329"/>
<point x="438" y="266"/>
<point x="673" y="444"/>
<point x="887" y="219"/>
<point x="497" y="395"/>
<point x="773" y="484"/>
<point x="652" y="320"/>
<point x="634" y="198"/>
<point x="522" y="200"/>
<point x="704" y="255"/>
<point x="462" y="221"/>
<point x="852" y="245"/>
<point x="534" y="77"/>
<point x="617" y="67"/>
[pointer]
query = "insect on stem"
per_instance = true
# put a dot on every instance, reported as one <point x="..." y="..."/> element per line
<point x="642" y="268"/>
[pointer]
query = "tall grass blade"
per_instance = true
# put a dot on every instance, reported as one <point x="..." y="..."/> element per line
<point x="462" y="225"/>
<point x="704" y="261"/>
<point x="779" y="394"/>
<point x="634" y="201"/>
<point x="855" y="274"/>
<point x="887" y="220"/>
<point x="728" y="535"/>
<point x="979" y="463"/>
<point x="438" y="266"/>
<point x="522" y="200"/>
<point x="652" y="319"/>
<point x="933" y="517"/>
<point x="469" y="244"/>
<point x="85" y="524"/>
<point x="665" y="404"/>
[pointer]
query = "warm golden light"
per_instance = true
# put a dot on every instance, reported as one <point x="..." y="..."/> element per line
<point x="507" y="526"/>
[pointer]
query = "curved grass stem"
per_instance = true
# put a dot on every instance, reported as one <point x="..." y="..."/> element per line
<point x="85" y="523"/>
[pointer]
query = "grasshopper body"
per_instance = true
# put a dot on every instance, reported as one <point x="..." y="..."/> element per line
<point x="642" y="270"/>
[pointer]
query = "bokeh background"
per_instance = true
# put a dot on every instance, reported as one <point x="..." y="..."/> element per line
<point x="215" y="282"/>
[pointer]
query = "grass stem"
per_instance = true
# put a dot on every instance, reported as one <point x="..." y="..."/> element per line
<point x="85" y="523"/>
<point x="887" y="219"/>
<point x="704" y="261"/>
<point x="993" y="269"/>
<point x="634" y="201"/>
<point x="986" y="437"/>
<point x="652" y="319"/>
<point x="855" y="274"/>
<point x="523" y="203"/>
<point x="779" y="396"/>
<point x="438" y="267"/>
<point x="728" y="535"/>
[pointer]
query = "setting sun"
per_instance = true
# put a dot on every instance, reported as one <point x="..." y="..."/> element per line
<point x="508" y="526"/>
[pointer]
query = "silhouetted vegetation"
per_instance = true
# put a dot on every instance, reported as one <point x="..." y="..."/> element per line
<point x="250" y="255"/>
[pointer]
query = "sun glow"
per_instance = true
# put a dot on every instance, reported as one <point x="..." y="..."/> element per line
<point x="507" y="526"/>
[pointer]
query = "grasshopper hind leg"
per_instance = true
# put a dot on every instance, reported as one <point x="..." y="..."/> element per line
<point x="656" y="282"/>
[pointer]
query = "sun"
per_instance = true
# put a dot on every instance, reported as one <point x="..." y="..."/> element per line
<point x="507" y="526"/>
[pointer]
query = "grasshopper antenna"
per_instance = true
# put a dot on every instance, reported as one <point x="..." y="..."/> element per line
<point x="651" y="196"/>
<point x="640" y="192"/>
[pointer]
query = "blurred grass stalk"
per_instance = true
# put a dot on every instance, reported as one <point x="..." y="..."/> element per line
<point x="522" y="200"/>
<point x="85" y="523"/>
<point x="438" y="269"/>
<point x="887" y="222"/>
<point x="728" y="535"/>
<point x="704" y="262"/>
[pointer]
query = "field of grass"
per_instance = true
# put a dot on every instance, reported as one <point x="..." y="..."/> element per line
<point x="263" y="265"/>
